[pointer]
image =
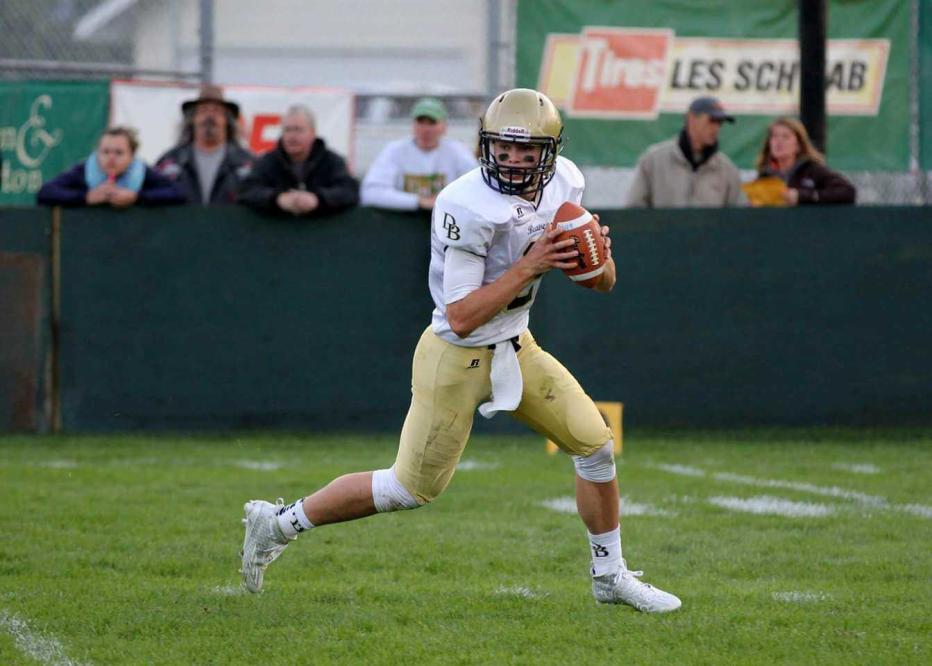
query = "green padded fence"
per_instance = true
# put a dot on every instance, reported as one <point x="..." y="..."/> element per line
<point x="193" y="318"/>
<point x="25" y="319"/>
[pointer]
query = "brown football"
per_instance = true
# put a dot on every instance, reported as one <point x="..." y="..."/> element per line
<point x="577" y="223"/>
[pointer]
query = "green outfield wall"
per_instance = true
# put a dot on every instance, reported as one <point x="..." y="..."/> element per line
<point x="189" y="318"/>
<point x="25" y="320"/>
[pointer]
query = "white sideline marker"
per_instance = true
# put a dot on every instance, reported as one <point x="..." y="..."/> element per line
<point x="776" y="506"/>
<point x="43" y="649"/>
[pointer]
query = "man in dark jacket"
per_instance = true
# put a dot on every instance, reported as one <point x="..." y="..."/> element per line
<point x="300" y="176"/>
<point x="208" y="164"/>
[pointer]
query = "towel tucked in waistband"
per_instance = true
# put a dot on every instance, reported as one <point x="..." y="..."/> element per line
<point x="507" y="383"/>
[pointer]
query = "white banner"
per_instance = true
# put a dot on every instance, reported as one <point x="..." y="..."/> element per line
<point x="154" y="109"/>
<point x="637" y="73"/>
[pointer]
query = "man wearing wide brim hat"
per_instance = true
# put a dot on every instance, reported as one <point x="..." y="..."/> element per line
<point x="210" y="94"/>
<point x="689" y="170"/>
<point x="208" y="163"/>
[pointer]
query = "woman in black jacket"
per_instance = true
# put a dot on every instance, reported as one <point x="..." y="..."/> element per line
<point x="789" y="155"/>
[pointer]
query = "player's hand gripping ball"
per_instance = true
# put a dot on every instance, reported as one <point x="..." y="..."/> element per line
<point x="577" y="223"/>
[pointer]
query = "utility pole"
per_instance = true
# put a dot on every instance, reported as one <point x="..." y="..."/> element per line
<point x="207" y="40"/>
<point x="812" y="30"/>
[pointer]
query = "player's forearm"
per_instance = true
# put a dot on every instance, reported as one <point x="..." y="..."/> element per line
<point x="479" y="306"/>
<point x="607" y="283"/>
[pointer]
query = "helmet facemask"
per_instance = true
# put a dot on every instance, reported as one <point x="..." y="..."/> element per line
<point x="517" y="179"/>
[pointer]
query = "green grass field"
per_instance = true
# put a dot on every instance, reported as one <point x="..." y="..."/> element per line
<point x="786" y="547"/>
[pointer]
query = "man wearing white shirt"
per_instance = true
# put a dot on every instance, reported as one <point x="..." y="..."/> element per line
<point x="409" y="173"/>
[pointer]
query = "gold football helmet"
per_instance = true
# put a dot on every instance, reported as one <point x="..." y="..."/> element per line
<point x="521" y="116"/>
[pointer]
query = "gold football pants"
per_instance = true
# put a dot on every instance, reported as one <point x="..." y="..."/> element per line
<point x="448" y="384"/>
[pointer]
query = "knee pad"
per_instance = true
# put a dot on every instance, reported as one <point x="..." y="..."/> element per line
<point x="388" y="494"/>
<point x="599" y="467"/>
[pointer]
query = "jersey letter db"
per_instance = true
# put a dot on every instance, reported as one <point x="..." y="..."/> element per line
<point x="449" y="225"/>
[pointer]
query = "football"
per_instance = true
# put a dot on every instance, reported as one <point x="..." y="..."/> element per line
<point x="577" y="223"/>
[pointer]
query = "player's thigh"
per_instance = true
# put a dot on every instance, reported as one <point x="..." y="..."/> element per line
<point x="555" y="405"/>
<point x="448" y="383"/>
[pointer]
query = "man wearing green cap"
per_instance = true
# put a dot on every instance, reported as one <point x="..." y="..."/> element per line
<point x="409" y="173"/>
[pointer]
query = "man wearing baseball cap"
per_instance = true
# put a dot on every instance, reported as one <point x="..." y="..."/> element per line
<point x="689" y="170"/>
<point x="409" y="173"/>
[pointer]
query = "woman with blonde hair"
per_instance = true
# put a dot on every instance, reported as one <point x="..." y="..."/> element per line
<point x="788" y="155"/>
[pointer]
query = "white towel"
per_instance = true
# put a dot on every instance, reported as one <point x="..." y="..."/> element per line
<point x="507" y="384"/>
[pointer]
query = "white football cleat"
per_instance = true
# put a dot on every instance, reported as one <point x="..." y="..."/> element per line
<point x="623" y="587"/>
<point x="264" y="541"/>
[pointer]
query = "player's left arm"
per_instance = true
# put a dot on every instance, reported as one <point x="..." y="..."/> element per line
<point x="607" y="283"/>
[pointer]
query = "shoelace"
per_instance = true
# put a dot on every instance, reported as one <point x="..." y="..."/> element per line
<point x="635" y="574"/>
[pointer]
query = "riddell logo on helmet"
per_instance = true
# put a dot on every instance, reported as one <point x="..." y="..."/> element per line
<point x="620" y="73"/>
<point x="516" y="133"/>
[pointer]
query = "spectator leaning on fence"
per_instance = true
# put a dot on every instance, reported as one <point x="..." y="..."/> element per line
<point x="409" y="173"/>
<point x="208" y="163"/>
<point x="791" y="171"/>
<point x="300" y="176"/>
<point x="111" y="176"/>
<point x="689" y="170"/>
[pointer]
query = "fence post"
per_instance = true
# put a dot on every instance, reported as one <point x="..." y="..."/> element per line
<point x="207" y="40"/>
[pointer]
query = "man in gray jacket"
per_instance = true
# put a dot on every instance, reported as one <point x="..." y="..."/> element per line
<point x="688" y="170"/>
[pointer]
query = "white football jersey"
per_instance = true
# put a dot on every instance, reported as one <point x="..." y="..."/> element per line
<point x="471" y="216"/>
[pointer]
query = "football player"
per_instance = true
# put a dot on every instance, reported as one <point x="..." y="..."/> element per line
<point x="491" y="244"/>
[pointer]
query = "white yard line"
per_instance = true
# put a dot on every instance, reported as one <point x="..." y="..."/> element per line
<point x="44" y="649"/>
<point x="519" y="591"/>
<point x="773" y="506"/>
<point x="872" y="501"/>
<point x="827" y="491"/>
<point x="859" y="468"/>
<point x="567" y="505"/>
<point x="682" y="470"/>
<point x="260" y="465"/>
<point x="797" y="597"/>
<point x="473" y="465"/>
<point x="915" y="509"/>
<point x="560" y="505"/>
<point x="58" y="464"/>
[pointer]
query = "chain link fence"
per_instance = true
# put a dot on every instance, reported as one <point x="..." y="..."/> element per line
<point x="97" y="39"/>
<point x="74" y="39"/>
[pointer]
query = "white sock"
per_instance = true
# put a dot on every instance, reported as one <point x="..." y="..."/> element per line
<point x="606" y="552"/>
<point x="292" y="521"/>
